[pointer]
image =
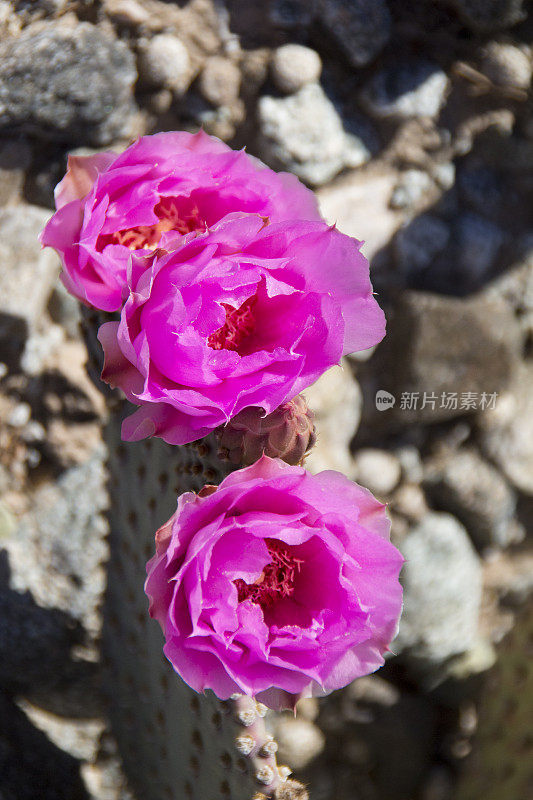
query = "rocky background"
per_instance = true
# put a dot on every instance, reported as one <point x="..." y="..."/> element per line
<point x="413" y="122"/>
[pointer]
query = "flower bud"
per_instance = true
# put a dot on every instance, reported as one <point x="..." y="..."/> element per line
<point x="287" y="433"/>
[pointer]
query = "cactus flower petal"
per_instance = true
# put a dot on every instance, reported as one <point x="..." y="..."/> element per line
<point x="278" y="584"/>
<point x="162" y="186"/>
<point x="235" y="317"/>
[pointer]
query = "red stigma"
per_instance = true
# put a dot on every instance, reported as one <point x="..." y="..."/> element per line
<point x="239" y="324"/>
<point x="276" y="580"/>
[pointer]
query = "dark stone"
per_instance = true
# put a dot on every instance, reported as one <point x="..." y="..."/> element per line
<point x="362" y="28"/>
<point x="30" y="765"/>
<point x="481" y="189"/>
<point x="467" y="486"/>
<point x="440" y="345"/>
<point x="489" y="15"/>
<point x="35" y="642"/>
<point x="406" y="88"/>
<point x="291" y="13"/>
<point x="13" y="335"/>
<point x="68" y="83"/>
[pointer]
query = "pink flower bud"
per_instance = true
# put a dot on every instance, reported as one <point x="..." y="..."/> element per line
<point x="287" y="433"/>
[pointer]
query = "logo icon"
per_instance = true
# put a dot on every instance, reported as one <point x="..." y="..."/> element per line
<point x="384" y="400"/>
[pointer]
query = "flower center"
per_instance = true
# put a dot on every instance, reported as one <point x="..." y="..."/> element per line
<point x="239" y="324"/>
<point x="171" y="218"/>
<point x="276" y="580"/>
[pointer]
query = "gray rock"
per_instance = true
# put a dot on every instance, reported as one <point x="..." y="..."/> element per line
<point x="362" y="28"/>
<point x="304" y="133"/>
<point x="442" y="591"/>
<point x="292" y="13"/>
<point x="15" y="158"/>
<point x="507" y="66"/>
<point x="164" y="62"/>
<point x="411" y="463"/>
<point x="58" y="550"/>
<point x="476" y="493"/>
<point x="28" y="272"/>
<point x="442" y="358"/>
<point x="489" y="15"/>
<point x="419" y="242"/>
<point x="64" y="82"/>
<point x="293" y="66"/>
<point x="41" y="347"/>
<point x="477" y="242"/>
<point x="64" y="309"/>
<point x="506" y="431"/>
<point x="481" y="188"/>
<point x="335" y="399"/>
<point x="515" y="287"/>
<point x="406" y="89"/>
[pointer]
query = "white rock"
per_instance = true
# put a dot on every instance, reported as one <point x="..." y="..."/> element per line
<point x="410" y="501"/>
<point x="20" y="415"/>
<point x="28" y="272"/>
<point x="377" y="470"/>
<point x="303" y="133"/>
<point x="347" y="202"/>
<point x="411" y="188"/>
<point x="444" y="174"/>
<point x="293" y="66"/>
<point x="507" y="431"/>
<point x="336" y="400"/>
<point x="165" y="62"/>
<point x="299" y="741"/>
<point x="507" y="65"/>
<point x="417" y="89"/>
<point x="127" y="12"/>
<point x="442" y="590"/>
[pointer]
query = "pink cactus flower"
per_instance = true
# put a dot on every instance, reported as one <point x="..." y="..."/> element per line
<point x="163" y="186"/>
<point x="279" y="584"/>
<point x="244" y="314"/>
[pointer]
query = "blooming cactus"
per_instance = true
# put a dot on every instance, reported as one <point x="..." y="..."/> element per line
<point x="162" y="186"/>
<point x="276" y="584"/>
<point x="244" y="314"/>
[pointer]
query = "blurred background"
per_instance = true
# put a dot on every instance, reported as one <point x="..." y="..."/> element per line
<point x="413" y="122"/>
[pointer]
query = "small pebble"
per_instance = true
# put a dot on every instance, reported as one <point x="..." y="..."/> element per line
<point x="377" y="470"/>
<point x="165" y="62"/>
<point x="293" y="66"/>
<point x="220" y="81"/>
<point x="20" y="416"/>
